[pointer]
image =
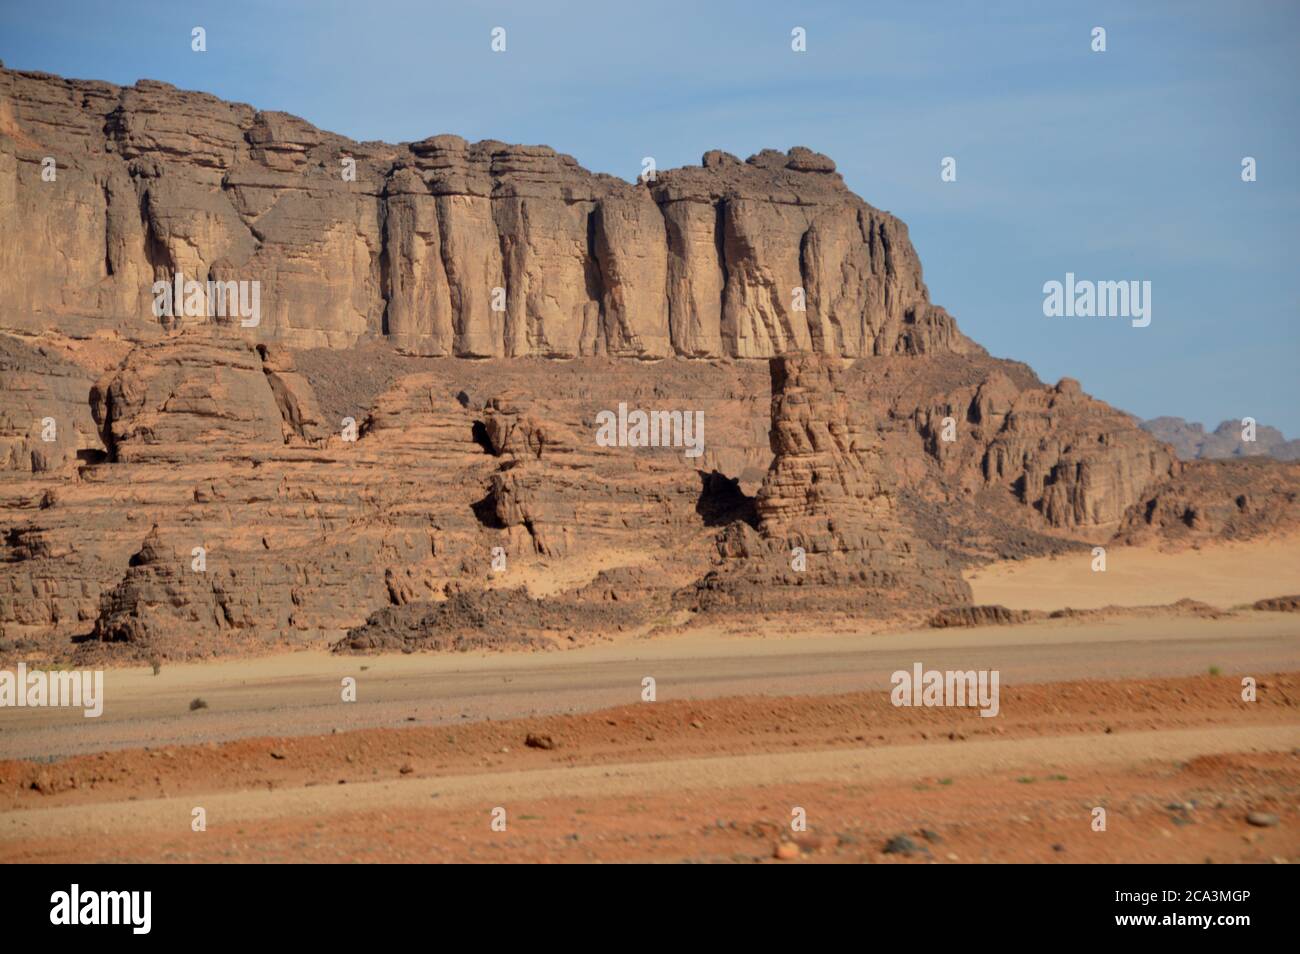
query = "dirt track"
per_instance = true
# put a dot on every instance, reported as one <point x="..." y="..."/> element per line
<point x="300" y="693"/>
<point x="711" y="780"/>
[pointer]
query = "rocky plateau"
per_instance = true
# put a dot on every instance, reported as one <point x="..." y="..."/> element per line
<point x="399" y="454"/>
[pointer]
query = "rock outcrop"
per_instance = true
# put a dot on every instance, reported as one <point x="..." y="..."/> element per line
<point x="829" y="534"/>
<point x="45" y="421"/>
<point x="1218" y="500"/>
<point x="443" y="247"/>
<point x="348" y="478"/>
<point x="202" y="439"/>
<point x="1075" y="460"/>
<point x="968" y="616"/>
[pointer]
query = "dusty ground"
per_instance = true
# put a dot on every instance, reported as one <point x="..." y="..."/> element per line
<point x="711" y="780"/>
<point x="1138" y="712"/>
<point x="299" y="693"/>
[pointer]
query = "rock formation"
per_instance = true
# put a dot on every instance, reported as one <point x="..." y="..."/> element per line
<point x="1075" y="460"/>
<point x="1218" y="500"/>
<point x="828" y="535"/>
<point x="347" y="473"/>
<point x="45" y="419"/>
<point x="442" y="247"/>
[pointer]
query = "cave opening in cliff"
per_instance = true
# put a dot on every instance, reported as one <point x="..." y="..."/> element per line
<point x="722" y="502"/>
<point x="480" y="436"/>
<point x="486" y="513"/>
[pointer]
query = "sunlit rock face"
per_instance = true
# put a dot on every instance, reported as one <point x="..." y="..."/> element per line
<point x="443" y="247"/>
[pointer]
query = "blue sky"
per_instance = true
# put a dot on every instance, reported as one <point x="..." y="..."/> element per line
<point x="1115" y="165"/>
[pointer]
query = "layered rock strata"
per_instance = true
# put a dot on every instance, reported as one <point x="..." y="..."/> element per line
<point x="829" y="534"/>
<point x="1073" y="459"/>
<point x="344" y="472"/>
<point x="442" y="247"/>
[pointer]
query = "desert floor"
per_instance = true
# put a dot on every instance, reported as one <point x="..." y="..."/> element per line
<point x="1135" y="711"/>
<point x="1224" y="575"/>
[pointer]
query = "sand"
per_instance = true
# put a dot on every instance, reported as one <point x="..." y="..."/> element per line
<point x="1226" y="575"/>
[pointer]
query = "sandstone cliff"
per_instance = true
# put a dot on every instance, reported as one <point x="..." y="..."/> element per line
<point x="349" y="478"/>
<point x="443" y="247"/>
<point x="828" y="532"/>
<point x="1215" y="500"/>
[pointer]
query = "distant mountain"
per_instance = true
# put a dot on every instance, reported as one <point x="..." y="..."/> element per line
<point x="1191" y="441"/>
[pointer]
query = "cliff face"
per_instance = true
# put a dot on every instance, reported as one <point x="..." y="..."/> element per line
<point x="336" y="470"/>
<point x="828" y="532"/>
<point x="441" y="246"/>
<point x="1075" y="460"/>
